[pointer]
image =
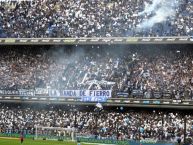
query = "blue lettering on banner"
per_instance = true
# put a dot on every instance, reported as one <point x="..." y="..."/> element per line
<point x="99" y="93"/>
<point x="79" y="93"/>
<point x="82" y="93"/>
<point x="93" y="99"/>
<point x="85" y="95"/>
<point x="69" y="93"/>
<point x="54" y="93"/>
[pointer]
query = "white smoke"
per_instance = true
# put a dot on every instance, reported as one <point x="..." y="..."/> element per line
<point x="150" y="8"/>
<point x="157" y="12"/>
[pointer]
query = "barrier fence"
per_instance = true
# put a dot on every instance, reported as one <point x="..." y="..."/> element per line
<point x="104" y="40"/>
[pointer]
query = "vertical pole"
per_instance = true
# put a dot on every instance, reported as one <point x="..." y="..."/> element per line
<point x="72" y="135"/>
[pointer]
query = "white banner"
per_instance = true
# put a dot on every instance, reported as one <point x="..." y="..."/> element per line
<point x="41" y="91"/>
<point x="80" y="93"/>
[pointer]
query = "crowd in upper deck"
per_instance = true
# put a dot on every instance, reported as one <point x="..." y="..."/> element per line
<point x="137" y="71"/>
<point x="93" y="18"/>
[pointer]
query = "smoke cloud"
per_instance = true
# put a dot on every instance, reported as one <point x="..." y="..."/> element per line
<point x="157" y="12"/>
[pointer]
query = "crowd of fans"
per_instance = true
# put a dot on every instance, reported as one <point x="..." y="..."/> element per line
<point x="137" y="72"/>
<point x="91" y="18"/>
<point x="152" y="124"/>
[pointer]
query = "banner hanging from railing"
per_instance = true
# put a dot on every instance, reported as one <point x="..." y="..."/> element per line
<point x="18" y="92"/>
<point x="41" y="91"/>
<point x="85" y="95"/>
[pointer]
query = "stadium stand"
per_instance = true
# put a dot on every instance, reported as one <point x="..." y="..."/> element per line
<point x="157" y="125"/>
<point x="147" y="74"/>
<point x="138" y="72"/>
<point x="104" y="18"/>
